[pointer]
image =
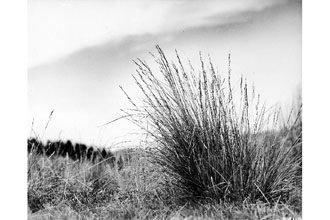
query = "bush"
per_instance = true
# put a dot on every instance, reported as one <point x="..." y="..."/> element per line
<point x="212" y="145"/>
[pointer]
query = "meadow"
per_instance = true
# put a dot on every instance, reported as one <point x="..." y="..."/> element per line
<point x="215" y="152"/>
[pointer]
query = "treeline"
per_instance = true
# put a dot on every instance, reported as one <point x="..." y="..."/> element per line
<point x="76" y="151"/>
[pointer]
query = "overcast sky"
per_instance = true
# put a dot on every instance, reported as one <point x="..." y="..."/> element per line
<point x="80" y="51"/>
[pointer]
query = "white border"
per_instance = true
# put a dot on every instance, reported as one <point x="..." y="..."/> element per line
<point x="316" y="84"/>
<point x="316" y="96"/>
<point x="13" y="109"/>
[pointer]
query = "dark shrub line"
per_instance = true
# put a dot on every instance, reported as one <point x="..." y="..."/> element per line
<point x="76" y="151"/>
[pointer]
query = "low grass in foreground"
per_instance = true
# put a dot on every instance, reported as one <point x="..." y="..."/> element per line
<point x="60" y="188"/>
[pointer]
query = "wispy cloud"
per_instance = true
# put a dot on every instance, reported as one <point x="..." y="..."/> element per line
<point x="57" y="28"/>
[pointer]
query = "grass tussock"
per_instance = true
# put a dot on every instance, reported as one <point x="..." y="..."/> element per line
<point x="215" y="141"/>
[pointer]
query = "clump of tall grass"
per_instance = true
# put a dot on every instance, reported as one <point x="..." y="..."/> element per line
<point x="210" y="144"/>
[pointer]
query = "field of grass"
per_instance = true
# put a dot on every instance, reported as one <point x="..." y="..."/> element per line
<point x="214" y="153"/>
<point x="60" y="188"/>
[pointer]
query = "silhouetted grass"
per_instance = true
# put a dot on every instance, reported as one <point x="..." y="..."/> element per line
<point x="213" y="141"/>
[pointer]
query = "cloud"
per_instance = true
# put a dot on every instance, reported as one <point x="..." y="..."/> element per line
<point x="58" y="28"/>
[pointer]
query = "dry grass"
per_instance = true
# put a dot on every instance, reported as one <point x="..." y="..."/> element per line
<point x="213" y="142"/>
<point x="57" y="190"/>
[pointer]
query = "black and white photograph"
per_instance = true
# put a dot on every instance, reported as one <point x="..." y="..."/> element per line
<point x="164" y="109"/>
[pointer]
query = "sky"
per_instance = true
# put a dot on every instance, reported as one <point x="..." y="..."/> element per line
<point x="80" y="51"/>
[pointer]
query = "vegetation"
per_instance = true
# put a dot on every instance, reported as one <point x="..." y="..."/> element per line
<point x="60" y="188"/>
<point x="215" y="153"/>
<point x="209" y="146"/>
<point x="75" y="152"/>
